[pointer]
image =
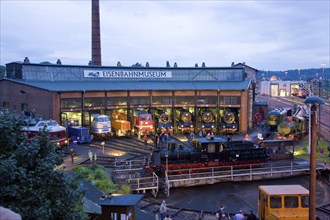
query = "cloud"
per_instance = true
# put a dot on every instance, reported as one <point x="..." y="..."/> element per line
<point x="274" y="35"/>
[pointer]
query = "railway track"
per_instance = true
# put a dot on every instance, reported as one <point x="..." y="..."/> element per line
<point x="323" y="212"/>
<point x="128" y="145"/>
<point x="177" y="213"/>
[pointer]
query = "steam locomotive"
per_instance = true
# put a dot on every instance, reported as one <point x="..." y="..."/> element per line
<point x="292" y="128"/>
<point x="185" y="124"/>
<point x="207" y="120"/>
<point x="228" y="123"/>
<point x="276" y="116"/>
<point x="164" y="122"/>
<point x="210" y="151"/>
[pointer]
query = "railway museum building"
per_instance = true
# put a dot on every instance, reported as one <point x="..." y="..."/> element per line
<point x="70" y="92"/>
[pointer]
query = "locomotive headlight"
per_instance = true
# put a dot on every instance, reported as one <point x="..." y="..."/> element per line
<point x="233" y="126"/>
<point x="191" y="126"/>
<point x="203" y="126"/>
<point x="212" y="126"/>
<point x="181" y="126"/>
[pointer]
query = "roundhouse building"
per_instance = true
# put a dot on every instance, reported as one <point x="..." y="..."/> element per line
<point x="70" y="92"/>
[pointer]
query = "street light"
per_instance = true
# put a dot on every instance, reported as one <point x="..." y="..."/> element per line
<point x="323" y="65"/>
<point x="166" y="157"/>
<point x="313" y="101"/>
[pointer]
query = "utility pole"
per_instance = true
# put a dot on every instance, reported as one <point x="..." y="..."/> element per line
<point x="312" y="163"/>
<point x="313" y="102"/>
<point x="319" y="117"/>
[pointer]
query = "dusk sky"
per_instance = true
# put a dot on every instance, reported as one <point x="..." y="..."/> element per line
<point x="266" y="35"/>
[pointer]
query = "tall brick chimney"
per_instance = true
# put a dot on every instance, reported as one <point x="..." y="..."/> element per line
<point x="96" y="36"/>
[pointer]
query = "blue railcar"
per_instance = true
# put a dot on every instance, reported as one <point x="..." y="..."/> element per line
<point x="79" y="134"/>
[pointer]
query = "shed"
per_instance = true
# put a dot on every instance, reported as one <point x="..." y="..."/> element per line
<point x="119" y="206"/>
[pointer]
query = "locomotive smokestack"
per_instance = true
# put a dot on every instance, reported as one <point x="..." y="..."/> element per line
<point x="96" y="36"/>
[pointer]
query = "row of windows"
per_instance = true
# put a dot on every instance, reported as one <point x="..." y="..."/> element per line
<point x="122" y="101"/>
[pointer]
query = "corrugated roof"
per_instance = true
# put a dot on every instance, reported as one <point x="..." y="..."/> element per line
<point x="63" y="86"/>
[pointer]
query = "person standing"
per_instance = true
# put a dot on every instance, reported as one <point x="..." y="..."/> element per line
<point x="72" y="155"/>
<point x="239" y="215"/>
<point x="321" y="151"/>
<point x="166" y="139"/>
<point x="156" y="140"/>
<point x="90" y="155"/>
<point x="145" y="139"/>
<point x="221" y="213"/>
<point x="168" y="217"/>
<point x="192" y="135"/>
<point x="251" y="216"/>
<point x="163" y="210"/>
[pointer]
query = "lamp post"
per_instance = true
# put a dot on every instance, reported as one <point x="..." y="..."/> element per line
<point x="323" y="65"/>
<point x="313" y="101"/>
<point x="319" y="117"/>
<point x="310" y="94"/>
<point x="166" y="157"/>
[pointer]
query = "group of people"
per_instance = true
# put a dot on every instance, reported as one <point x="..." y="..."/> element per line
<point x="222" y="215"/>
<point x="162" y="139"/>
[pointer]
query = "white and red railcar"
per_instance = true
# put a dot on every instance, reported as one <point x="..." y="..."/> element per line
<point x="57" y="133"/>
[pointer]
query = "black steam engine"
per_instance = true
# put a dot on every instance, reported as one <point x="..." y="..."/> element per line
<point x="209" y="151"/>
<point x="164" y="123"/>
<point x="207" y="121"/>
<point x="229" y="124"/>
<point x="185" y="124"/>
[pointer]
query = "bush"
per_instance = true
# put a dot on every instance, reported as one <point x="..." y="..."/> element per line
<point x="82" y="172"/>
<point x="124" y="189"/>
<point x="100" y="179"/>
<point x="302" y="152"/>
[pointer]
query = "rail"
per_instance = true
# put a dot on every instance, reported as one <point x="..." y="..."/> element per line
<point x="211" y="175"/>
<point x="128" y="165"/>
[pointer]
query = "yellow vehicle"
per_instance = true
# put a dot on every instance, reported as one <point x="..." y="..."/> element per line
<point x="287" y="202"/>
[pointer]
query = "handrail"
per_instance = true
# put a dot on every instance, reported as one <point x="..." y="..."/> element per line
<point x="213" y="173"/>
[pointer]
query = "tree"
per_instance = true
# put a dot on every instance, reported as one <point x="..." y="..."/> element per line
<point x="30" y="183"/>
<point x="137" y="65"/>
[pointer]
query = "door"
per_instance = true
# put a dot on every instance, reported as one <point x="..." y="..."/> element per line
<point x="64" y="119"/>
<point x="274" y="90"/>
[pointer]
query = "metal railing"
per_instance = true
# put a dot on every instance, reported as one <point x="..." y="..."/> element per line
<point x="128" y="165"/>
<point x="232" y="173"/>
<point x="144" y="183"/>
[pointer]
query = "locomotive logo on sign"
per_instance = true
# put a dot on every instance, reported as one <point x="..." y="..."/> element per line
<point x="258" y="117"/>
<point x="94" y="74"/>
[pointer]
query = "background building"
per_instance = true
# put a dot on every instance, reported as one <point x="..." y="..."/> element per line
<point x="67" y="92"/>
